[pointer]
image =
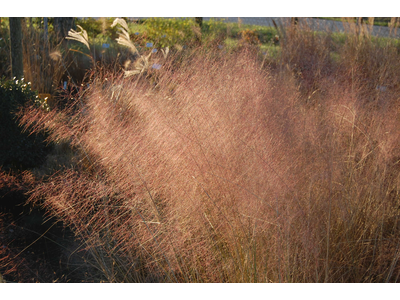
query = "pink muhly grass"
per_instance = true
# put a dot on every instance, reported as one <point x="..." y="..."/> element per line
<point x="221" y="173"/>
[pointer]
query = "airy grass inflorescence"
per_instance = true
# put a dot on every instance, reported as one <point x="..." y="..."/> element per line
<point x="222" y="172"/>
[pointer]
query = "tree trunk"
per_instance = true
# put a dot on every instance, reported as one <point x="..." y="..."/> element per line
<point x="199" y="21"/>
<point x="46" y="30"/>
<point x="17" y="68"/>
<point x="62" y="26"/>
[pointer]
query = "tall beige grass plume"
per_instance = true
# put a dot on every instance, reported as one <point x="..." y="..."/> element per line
<point x="80" y="36"/>
<point x="124" y="38"/>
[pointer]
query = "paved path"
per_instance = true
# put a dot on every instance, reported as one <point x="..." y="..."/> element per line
<point x="313" y="23"/>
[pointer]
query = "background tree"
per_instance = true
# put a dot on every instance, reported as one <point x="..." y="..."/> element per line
<point x="61" y="27"/>
<point x="17" y="68"/>
<point x="199" y="21"/>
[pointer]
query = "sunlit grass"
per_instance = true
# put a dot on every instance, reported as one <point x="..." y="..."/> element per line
<point x="235" y="162"/>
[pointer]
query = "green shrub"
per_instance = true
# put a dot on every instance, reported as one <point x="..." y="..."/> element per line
<point x="169" y="32"/>
<point x="218" y="29"/>
<point x="18" y="149"/>
<point x="101" y="27"/>
<point x="214" y="26"/>
<point x="265" y="34"/>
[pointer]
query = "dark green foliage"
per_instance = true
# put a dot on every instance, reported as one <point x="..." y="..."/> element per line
<point x="5" y="63"/>
<point x="18" y="149"/>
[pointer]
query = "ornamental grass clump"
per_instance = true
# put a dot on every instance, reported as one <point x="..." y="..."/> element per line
<point x="223" y="173"/>
<point x="43" y="64"/>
